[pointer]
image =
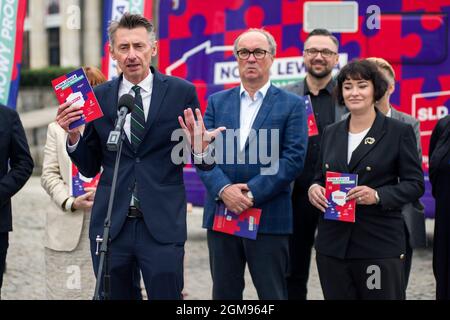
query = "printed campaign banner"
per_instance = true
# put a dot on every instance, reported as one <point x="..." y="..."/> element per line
<point x="337" y="185"/>
<point x="196" y="40"/>
<point x="75" y="87"/>
<point x="113" y="11"/>
<point x="12" y="17"/>
<point x="242" y="225"/>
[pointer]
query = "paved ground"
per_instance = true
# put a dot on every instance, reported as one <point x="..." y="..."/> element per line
<point x="24" y="278"/>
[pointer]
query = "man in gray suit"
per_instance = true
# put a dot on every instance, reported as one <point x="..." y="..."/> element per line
<point x="320" y="57"/>
<point x="413" y="213"/>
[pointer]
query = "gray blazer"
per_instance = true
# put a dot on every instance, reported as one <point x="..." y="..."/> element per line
<point x="413" y="213"/>
<point x="299" y="88"/>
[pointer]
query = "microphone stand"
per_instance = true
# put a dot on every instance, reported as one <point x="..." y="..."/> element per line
<point x="113" y="144"/>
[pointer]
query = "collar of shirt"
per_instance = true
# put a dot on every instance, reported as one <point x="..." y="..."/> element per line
<point x="389" y="113"/>
<point x="146" y="91"/>
<point x="261" y="92"/>
<point x="329" y="87"/>
<point x="146" y="84"/>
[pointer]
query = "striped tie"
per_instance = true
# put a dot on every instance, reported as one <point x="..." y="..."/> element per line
<point x="137" y="119"/>
<point x="137" y="131"/>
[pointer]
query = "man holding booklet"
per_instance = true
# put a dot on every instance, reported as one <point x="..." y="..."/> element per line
<point x="257" y="158"/>
<point x="149" y="213"/>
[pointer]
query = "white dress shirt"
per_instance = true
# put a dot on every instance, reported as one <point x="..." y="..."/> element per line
<point x="389" y="113"/>
<point x="354" y="139"/>
<point x="249" y="110"/>
<point x="146" y="94"/>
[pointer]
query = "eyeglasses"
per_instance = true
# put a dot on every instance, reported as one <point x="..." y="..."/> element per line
<point x="259" y="54"/>
<point x="325" y="52"/>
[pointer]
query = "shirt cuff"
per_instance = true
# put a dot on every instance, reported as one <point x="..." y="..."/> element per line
<point x="68" y="204"/>
<point x="72" y="148"/>
<point x="221" y="190"/>
<point x="313" y="185"/>
<point x="200" y="156"/>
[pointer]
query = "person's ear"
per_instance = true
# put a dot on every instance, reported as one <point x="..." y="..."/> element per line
<point x="154" y="48"/>
<point x="391" y="88"/>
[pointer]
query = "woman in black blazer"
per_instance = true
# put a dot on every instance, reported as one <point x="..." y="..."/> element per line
<point x="440" y="181"/>
<point x="365" y="259"/>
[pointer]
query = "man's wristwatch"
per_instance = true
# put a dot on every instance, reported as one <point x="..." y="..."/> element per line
<point x="377" y="197"/>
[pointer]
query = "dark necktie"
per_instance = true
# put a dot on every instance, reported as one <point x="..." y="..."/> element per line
<point x="137" y="119"/>
<point x="137" y="130"/>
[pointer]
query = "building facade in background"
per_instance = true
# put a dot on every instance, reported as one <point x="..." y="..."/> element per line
<point x="62" y="33"/>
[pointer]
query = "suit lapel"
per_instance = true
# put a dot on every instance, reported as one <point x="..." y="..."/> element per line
<point x="158" y="92"/>
<point x="263" y="112"/>
<point x="112" y="99"/>
<point x="235" y="112"/>
<point x="372" y="138"/>
<point x="340" y="143"/>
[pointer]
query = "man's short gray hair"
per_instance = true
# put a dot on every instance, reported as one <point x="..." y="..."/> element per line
<point x="270" y="40"/>
<point x="130" y="21"/>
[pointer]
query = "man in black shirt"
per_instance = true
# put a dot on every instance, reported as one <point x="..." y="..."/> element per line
<point x="320" y="57"/>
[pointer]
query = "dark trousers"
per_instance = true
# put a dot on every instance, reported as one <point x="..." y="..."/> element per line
<point x="267" y="258"/>
<point x="3" y="250"/>
<point x="408" y="258"/>
<point x="300" y="245"/>
<point x="161" y="264"/>
<point x="361" y="279"/>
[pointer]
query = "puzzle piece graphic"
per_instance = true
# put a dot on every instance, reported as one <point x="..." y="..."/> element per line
<point x="213" y="12"/>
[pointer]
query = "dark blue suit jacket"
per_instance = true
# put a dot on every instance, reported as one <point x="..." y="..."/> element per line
<point x="161" y="189"/>
<point x="272" y="193"/>
<point x="16" y="164"/>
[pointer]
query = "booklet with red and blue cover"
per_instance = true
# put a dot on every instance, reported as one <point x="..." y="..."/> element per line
<point x="337" y="185"/>
<point x="80" y="182"/>
<point x="243" y="225"/>
<point x="75" y="87"/>
<point x="312" y="124"/>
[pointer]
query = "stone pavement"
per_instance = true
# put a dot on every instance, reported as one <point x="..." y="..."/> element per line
<point x="25" y="275"/>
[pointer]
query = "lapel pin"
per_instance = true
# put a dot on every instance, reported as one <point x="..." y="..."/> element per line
<point x="369" y="140"/>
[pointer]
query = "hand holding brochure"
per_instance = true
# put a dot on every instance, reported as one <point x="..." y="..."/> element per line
<point x="75" y="87"/>
<point x="337" y="185"/>
<point x="242" y="225"/>
<point x="79" y="182"/>
<point x="312" y="124"/>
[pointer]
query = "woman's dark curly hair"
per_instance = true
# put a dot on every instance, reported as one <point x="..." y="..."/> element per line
<point x="358" y="70"/>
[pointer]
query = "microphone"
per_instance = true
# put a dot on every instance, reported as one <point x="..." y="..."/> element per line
<point x="125" y="106"/>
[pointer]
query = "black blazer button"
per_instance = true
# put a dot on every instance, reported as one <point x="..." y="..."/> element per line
<point x="368" y="169"/>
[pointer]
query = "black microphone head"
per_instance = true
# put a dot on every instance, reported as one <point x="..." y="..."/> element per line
<point x="127" y="100"/>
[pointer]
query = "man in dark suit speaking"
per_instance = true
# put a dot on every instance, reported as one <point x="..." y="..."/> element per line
<point x="16" y="166"/>
<point x="149" y="212"/>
